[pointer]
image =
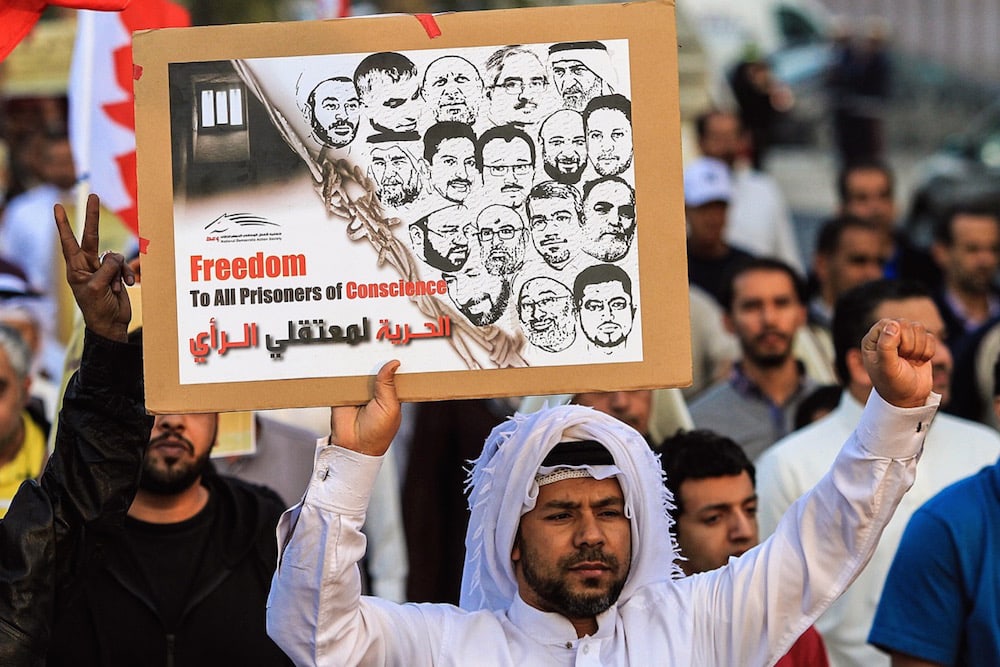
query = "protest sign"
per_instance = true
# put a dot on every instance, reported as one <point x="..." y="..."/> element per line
<point x="318" y="198"/>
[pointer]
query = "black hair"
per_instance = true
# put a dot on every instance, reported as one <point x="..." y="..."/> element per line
<point x="728" y="294"/>
<point x="701" y="454"/>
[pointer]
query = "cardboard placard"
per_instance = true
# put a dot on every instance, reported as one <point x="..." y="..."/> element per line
<point x="342" y="193"/>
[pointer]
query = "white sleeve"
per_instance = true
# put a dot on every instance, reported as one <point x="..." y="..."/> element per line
<point x="387" y="561"/>
<point x="763" y="601"/>
<point x="315" y="611"/>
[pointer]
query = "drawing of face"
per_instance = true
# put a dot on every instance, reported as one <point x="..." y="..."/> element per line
<point x="335" y="111"/>
<point x="545" y="309"/>
<point x="576" y="83"/>
<point x="508" y="171"/>
<point x="440" y="240"/>
<point x="606" y="313"/>
<point x="564" y="146"/>
<point x="392" y="105"/>
<point x="398" y="179"/>
<point x="453" y="170"/>
<point x="501" y="235"/>
<point x="453" y="89"/>
<point x="609" y="220"/>
<point x="518" y="94"/>
<point x="609" y="141"/>
<point x="555" y="229"/>
<point x="480" y="296"/>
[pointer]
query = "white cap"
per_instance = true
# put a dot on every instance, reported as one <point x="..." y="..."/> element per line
<point x="707" y="180"/>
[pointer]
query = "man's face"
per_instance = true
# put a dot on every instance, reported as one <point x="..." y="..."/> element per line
<point x="179" y="446"/>
<point x="508" y="171"/>
<point x="765" y="314"/>
<point x="970" y="263"/>
<point x="545" y="308"/>
<point x="860" y="257"/>
<point x="573" y="550"/>
<point x="606" y="313"/>
<point x="609" y="220"/>
<point x="722" y="138"/>
<point x="923" y="310"/>
<point x="719" y="521"/>
<point x="609" y="141"/>
<point x="452" y="89"/>
<point x="555" y="229"/>
<point x="707" y="224"/>
<point x="336" y="110"/>
<point x="518" y="94"/>
<point x="444" y="246"/>
<point x="397" y="178"/>
<point x="631" y="407"/>
<point x="870" y="197"/>
<point x="453" y="170"/>
<point x="564" y="146"/>
<point x="58" y="165"/>
<point x="13" y="398"/>
<point x="576" y="83"/>
<point x="392" y="105"/>
<point x="501" y="235"/>
<point x="478" y="295"/>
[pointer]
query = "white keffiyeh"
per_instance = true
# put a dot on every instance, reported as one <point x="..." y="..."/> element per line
<point x="502" y="488"/>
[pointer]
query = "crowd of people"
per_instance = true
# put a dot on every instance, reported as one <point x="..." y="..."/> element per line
<point x="787" y="521"/>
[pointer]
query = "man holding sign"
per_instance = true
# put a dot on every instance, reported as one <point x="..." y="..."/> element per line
<point x="569" y="550"/>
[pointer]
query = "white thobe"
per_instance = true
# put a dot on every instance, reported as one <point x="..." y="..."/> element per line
<point x="748" y="613"/>
<point x="955" y="448"/>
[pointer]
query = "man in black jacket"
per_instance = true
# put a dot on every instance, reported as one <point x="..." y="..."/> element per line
<point x="177" y="575"/>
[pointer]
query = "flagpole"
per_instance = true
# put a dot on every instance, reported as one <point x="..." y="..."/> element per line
<point x="81" y="113"/>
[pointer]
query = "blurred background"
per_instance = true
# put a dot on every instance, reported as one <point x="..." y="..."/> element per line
<point x="933" y="101"/>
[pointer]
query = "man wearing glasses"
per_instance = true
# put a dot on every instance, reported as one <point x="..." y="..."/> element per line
<point x="545" y="309"/>
<point x="603" y="297"/>
<point x="501" y="234"/>
<point x="518" y="92"/>
<point x="608" y="218"/>
<point x="554" y="218"/>
<point x="507" y="154"/>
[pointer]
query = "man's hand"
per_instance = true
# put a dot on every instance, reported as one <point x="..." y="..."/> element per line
<point x="897" y="355"/>
<point x="96" y="281"/>
<point x="369" y="428"/>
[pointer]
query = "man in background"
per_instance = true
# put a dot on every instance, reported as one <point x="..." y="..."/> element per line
<point x="715" y="515"/>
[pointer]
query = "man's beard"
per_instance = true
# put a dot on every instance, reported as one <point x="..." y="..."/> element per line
<point x="175" y="476"/>
<point x="507" y="260"/>
<point x="439" y="261"/>
<point x="770" y="359"/>
<point x="554" y="339"/>
<point x="396" y="193"/>
<point x="610" y="247"/>
<point x="564" y="177"/>
<point x="555" y="592"/>
<point x="497" y="305"/>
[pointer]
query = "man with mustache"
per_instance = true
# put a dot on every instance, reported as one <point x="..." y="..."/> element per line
<point x="608" y="123"/>
<point x="608" y="218"/>
<point x="545" y="308"/>
<point x="764" y="303"/>
<point x="480" y="296"/>
<point x="564" y="146"/>
<point x="334" y="111"/>
<point x="397" y="178"/>
<point x="715" y="515"/>
<point x="569" y="553"/>
<point x="518" y="93"/>
<point x="451" y="163"/>
<point x="439" y="238"/>
<point x="581" y="72"/>
<point x="501" y="234"/>
<point x="602" y="295"/>
<point x="452" y="89"/>
<point x="955" y="448"/>
<point x="507" y="155"/>
<point x="554" y="211"/>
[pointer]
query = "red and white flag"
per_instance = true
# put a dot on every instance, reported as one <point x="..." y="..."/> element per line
<point x="101" y="109"/>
